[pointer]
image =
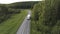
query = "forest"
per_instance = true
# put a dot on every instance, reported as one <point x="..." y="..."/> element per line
<point x="23" y="5"/>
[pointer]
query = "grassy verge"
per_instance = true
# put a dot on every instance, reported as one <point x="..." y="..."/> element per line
<point x="11" y="25"/>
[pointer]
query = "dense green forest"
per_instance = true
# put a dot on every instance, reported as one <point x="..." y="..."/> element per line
<point x="23" y="5"/>
<point x="46" y="17"/>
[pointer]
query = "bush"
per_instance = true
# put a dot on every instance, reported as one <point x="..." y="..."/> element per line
<point x="6" y="12"/>
<point x="48" y="14"/>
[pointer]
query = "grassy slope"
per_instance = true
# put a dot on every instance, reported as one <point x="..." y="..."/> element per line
<point x="11" y="25"/>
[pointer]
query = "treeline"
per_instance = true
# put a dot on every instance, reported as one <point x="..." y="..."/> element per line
<point x="46" y="17"/>
<point x="23" y="5"/>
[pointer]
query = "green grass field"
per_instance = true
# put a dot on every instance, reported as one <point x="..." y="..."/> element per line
<point x="11" y="25"/>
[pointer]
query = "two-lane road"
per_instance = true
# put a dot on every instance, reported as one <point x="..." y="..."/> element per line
<point x="25" y="27"/>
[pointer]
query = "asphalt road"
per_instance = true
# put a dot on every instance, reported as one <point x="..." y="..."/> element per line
<point x="25" y="27"/>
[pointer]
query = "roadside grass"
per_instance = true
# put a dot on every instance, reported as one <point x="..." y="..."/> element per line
<point x="11" y="25"/>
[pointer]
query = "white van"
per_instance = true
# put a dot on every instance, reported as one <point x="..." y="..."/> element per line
<point x="28" y="17"/>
